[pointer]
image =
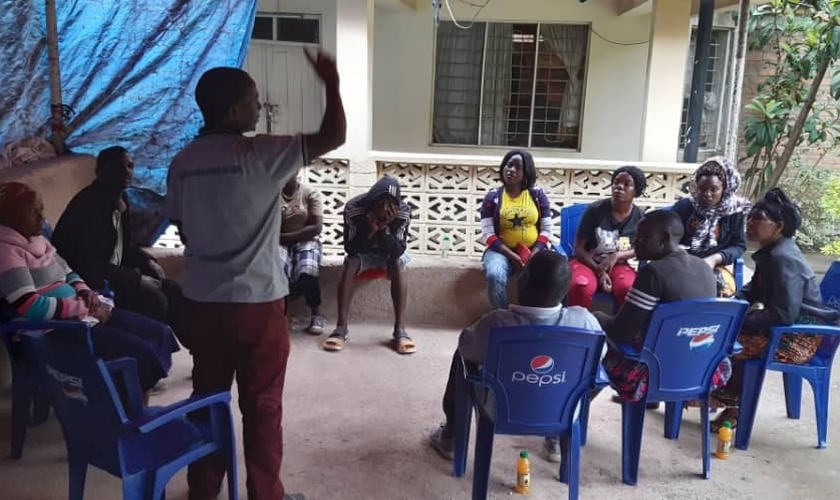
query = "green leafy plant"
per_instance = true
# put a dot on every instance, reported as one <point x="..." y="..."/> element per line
<point x="804" y="37"/>
<point x="817" y="192"/>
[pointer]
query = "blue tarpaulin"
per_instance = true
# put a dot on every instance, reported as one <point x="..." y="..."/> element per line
<point x="128" y="69"/>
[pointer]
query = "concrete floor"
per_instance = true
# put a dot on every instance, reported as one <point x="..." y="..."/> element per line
<point x="356" y="424"/>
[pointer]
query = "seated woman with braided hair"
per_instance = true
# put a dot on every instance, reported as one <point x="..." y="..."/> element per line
<point x="37" y="284"/>
<point x="714" y="219"/>
<point x="783" y="291"/>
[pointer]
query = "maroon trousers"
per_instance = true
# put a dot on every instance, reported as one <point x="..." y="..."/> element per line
<point x="250" y="341"/>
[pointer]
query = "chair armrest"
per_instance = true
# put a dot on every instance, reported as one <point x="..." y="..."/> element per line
<point x="776" y="333"/>
<point x="148" y="423"/>
<point x="812" y="329"/>
<point x="126" y="369"/>
<point x="19" y="325"/>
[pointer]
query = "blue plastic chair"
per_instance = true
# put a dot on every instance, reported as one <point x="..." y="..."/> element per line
<point x="532" y="383"/>
<point x="143" y="446"/>
<point x="817" y="372"/>
<point x="30" y="401"/>
<point x="684" y="344"/>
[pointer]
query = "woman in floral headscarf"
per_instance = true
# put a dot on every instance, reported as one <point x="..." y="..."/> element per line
<point x="714" y="217"/>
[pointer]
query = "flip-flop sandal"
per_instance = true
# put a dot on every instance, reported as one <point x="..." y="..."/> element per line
<point x="336" y="341"/>
<point x="402" y="343"/>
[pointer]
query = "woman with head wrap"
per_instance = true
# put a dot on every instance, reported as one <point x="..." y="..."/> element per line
<point x="714" y="218"/>
<point x="783" y="291"/>
<point x="604" y="241"/>
<point x="37" y="284"/>
<point x="515" y="222"/>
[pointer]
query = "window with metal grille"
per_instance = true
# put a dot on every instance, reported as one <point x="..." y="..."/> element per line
<point x="288" y="28"/>
<point x="509" y="84"/>
<point x="717" y="84"/>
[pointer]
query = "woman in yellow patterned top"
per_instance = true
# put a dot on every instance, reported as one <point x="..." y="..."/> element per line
<point x="515" y="223"/>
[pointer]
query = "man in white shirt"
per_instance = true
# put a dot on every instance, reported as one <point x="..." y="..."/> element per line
<point x="541" y="288"/>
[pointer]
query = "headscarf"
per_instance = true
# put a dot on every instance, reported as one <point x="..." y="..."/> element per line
<point x="780" y="208"/>
<point x="707" y="219"/>
<point x="13" y="196"/>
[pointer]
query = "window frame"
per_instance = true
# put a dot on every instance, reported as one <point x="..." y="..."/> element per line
<point x="289" y="15"/>
<point x="718" y="136"/>
<point x="584" y="82"/>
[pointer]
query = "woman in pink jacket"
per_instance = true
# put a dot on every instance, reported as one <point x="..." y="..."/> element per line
<point x="37" y="284"/>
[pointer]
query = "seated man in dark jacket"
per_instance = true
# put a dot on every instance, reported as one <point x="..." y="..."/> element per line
<point x="375" y="235"/>
<point x="671" y="275"/>
<point x="94" y="236"/>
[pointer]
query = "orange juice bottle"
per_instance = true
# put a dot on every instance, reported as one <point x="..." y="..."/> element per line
<point x="523" y="473"/>
<point x="724" y="441"/>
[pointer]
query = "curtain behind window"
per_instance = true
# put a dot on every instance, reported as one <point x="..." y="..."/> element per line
<point x="457" y="92"/>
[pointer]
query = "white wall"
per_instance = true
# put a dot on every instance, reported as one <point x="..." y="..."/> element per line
<point x="615" y="83"/>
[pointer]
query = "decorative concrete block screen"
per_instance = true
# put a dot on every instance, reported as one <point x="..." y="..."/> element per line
<point x="445" y="197"/>
<point x="327" y="176"/>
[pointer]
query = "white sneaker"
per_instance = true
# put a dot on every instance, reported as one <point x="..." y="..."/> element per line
<point x="552" y="449"/>
<point x="442" y="442"/>
<point x="316" y="325"/>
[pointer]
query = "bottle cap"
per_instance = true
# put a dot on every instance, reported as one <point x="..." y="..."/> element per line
<point x="523" y="454"/>
<point x="727" y="424"/>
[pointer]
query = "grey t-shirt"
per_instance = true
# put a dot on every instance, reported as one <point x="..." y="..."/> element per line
<point x="224" y="191"/>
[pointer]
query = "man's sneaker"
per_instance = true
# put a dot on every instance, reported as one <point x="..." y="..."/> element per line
<point x="316" y="325"/>
<point x="552" y="449"/>
<point x="442" y="442"/>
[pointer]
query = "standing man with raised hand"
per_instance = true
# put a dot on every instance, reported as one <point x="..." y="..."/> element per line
<point x="223" y="194"/>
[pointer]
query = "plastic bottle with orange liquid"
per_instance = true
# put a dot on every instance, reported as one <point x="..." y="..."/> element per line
<point x="523" y="473"/>
<point x="724" y="441"/>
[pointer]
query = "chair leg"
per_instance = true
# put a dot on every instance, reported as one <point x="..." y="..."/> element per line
<point x="673" y="419"/>
<point x="41" y="410"/>
<point x="750" y="394"/>
<point x="793" y="394"/>
<point x="463" y="420"/>
<point x="23" y="388"/>
<point x="77" y="474"/>
<point x="632" y="425"/>
<point x="820" y="387"/>
<point x="584" y="418"/>
<point x="707" y="451"/>
<point x="232" y="480"/>
<point x="483" y="457"/>
<point x="136" y="488"/>
<point x="571" y="461"/>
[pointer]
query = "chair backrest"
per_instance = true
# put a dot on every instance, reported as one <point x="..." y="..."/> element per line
<point x="830" y="291"/>
<point x="83" y="394"/>
<point x="685" y="342"/>
<point x="537" y="375"/>
<point x="570" y="217"/>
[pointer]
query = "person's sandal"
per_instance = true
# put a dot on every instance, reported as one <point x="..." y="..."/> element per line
<point x="402" y="343"/>
<point x="337" y="340"/>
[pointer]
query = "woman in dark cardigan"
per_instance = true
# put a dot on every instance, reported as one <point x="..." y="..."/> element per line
<point x="714" y="218"/>
<point x="783" y="291"/>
